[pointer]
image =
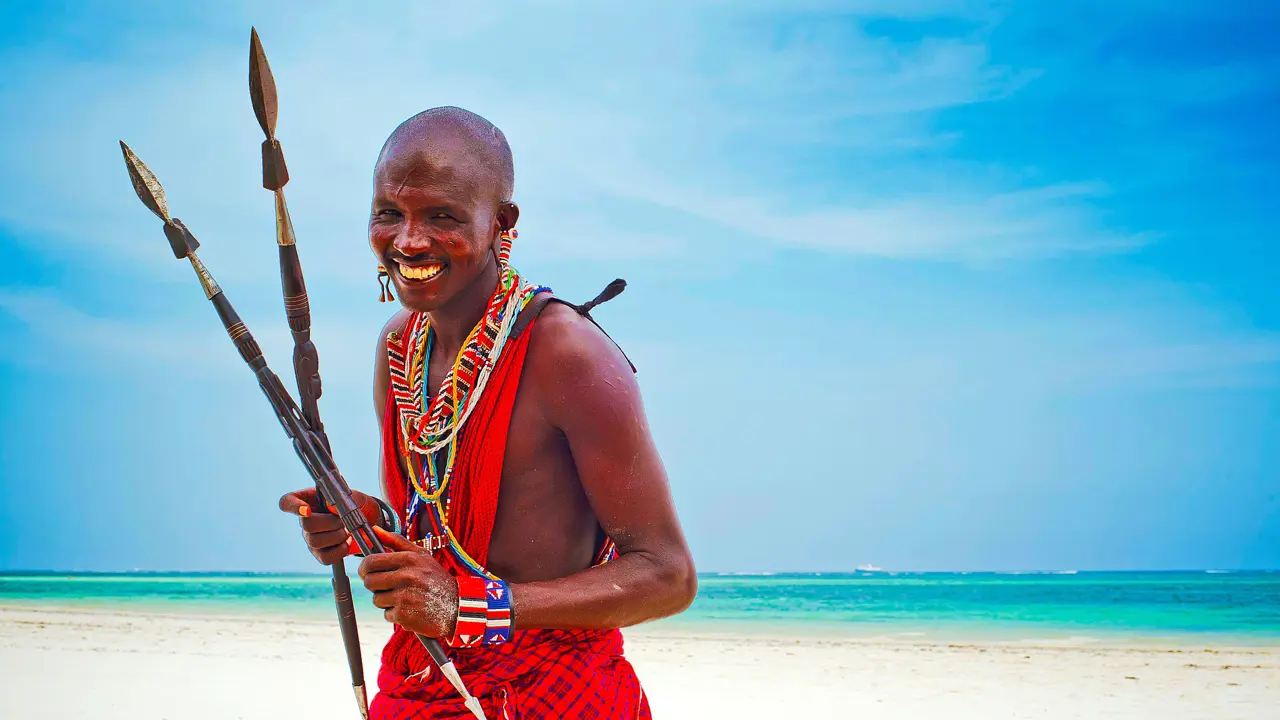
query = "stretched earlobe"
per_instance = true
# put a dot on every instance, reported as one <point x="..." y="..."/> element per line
<point x="384" y="282"/>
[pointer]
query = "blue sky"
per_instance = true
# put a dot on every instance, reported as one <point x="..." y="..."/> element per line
<point x="926" y="284"/>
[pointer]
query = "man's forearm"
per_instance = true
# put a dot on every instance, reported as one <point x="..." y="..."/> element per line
<point x="633" y="588"/>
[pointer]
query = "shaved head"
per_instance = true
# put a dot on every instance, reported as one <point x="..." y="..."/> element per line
<point x="441" y="205"/>
<point x="461" y="138"/>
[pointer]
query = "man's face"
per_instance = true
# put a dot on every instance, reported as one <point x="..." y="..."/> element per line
<point x="432" y="224"/>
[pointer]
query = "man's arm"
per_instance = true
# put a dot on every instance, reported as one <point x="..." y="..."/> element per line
<point x="587" y="390"/>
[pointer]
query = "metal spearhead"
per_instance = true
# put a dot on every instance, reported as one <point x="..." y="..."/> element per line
<point x="146" y="184"/>
<point x="151" y="194"/>
<point x="451" y="674"/>
<point x="262" y="86"/>
<point x="262" y="90"/>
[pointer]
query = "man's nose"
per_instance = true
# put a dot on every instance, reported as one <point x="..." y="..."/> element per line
<point x="415" y="239"/>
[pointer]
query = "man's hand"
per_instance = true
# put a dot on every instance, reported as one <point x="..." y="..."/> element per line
<point x="412" y="589"/>
<point x="327" y="539"/>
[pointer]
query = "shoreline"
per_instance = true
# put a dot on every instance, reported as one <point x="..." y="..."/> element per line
<point x="763" y="632"/>
<point x="872" y="569"/>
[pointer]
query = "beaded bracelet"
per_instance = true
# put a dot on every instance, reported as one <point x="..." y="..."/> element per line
<point x="473" y="612"/>
<point x="484" y="612"/>
<point x="498" y="623"/>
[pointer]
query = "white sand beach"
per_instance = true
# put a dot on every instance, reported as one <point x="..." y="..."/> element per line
<point x="64" y="663"/>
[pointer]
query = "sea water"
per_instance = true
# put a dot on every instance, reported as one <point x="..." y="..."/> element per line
<point x="1241" y="607"/>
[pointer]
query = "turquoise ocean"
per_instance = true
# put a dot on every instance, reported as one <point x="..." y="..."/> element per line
<point x="1209" y="606"/>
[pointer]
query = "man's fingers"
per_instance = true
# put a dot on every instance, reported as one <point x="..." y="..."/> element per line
<point x="321" y="523"/>
<point x="292" y="504"/>
<point x="384" y="599"/>
<point x="383" y="581"/>
<point x="323" y="540"/>
<point x="331" y="555"/>
<point x="299" y="502"/>
<point x="325" y="536"/>
<point x="382" y="562"/>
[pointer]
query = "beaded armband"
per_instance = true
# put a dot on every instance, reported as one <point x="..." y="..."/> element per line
<point x="484" y="612"/>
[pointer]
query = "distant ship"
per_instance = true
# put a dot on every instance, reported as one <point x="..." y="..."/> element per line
<point x="870" y="568"/>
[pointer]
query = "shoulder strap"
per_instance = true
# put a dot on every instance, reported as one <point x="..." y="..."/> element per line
<point x="530" y="312"/>
<point x="541" y="300"/>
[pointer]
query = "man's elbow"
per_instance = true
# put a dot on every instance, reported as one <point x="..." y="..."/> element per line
<point x="680" y="580"/>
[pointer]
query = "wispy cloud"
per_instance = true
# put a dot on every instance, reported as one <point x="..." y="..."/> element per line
<point x="719" y="117"/>
<point x="68" y="340"/>
<point x="67" y="336"/>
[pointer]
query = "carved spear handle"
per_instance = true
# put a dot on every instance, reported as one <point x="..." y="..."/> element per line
<point x="297" y="308"/>
<point x="275" y="175"/>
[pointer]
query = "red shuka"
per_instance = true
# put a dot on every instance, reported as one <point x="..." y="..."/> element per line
<point x="540" y="673"/>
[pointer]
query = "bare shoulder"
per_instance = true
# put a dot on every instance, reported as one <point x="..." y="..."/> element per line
<point x="381" y="374"/>
<point x="398" y="321"/>
<point x="576" y="367"/>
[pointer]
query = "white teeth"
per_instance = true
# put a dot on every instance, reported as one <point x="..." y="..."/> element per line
<point x="420" y="273"/>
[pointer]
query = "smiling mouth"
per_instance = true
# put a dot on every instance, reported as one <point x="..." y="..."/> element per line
<point x="419" y="272"/>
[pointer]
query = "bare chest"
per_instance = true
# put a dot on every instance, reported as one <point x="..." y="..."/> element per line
<point x="544" y="527"/>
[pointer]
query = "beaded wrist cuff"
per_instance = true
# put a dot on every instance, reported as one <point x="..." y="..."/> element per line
<point x="484" y="612"/>
<point x="498" y="623"/>
<point x="473" y="612"/>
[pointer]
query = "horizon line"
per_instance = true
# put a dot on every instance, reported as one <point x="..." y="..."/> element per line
<point x="706" y="573"/>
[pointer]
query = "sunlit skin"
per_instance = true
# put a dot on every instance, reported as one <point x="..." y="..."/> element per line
<point x="580" y="456"/>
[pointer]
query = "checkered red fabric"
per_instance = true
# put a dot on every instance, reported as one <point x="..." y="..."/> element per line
<point x="539" y="675"/>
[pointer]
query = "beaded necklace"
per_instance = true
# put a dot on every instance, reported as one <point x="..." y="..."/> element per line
<point x="431" y="453"/>
<point x="430" y="426"/>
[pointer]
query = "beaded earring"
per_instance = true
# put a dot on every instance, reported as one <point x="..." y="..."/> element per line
<point x="504" y="245"/>
<point x="384" y="282"/>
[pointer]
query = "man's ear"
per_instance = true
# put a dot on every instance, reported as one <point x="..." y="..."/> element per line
<point x="508" y="214"/>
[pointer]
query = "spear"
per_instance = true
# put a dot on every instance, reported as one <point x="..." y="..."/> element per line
<point x="297" y="308"/>
<point x="311" y="450"/>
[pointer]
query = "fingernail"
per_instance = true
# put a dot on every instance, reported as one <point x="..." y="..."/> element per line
<point x="305" y="511"/>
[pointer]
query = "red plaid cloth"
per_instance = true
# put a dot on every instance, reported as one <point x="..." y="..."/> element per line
<point x="539" y="675"/>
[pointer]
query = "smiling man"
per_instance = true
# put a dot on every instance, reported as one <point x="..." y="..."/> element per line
<point x="527" y="512"/>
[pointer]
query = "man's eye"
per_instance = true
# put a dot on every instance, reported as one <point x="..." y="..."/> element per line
<point x="388" y="212"/>
<point x="442" y="216"/>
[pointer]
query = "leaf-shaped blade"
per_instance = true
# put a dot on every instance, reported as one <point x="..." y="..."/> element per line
<point x="262" y="86"/>
<point x="145" y="184"/>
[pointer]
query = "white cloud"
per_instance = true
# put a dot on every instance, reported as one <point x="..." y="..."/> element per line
<point x="598" y="113"/>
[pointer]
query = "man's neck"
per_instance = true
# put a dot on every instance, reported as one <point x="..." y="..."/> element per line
<point x="455" y="320"/>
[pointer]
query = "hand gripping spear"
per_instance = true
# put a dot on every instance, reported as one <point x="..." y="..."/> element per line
<point x="306" y="361"/>
<point x="307" y="443"/>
